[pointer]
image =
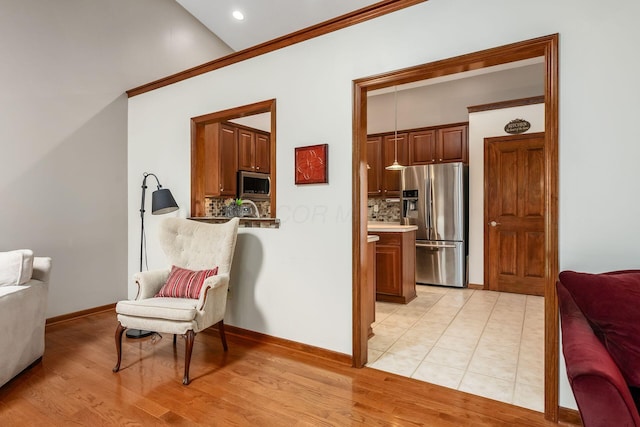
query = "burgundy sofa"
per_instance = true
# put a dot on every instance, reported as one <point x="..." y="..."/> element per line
<point x="603" y="396"/>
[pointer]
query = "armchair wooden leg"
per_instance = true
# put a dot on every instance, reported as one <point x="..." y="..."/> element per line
<point x="189" y="338"/>
<point x="119" y="331"/>
<point x="222" y="335"/>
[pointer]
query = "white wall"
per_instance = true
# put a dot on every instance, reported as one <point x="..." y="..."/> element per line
<point x="63" y="130"/>
<point x="301" y="289"/>
<point x="487" y="124"/>
<point x="447" y="102"/>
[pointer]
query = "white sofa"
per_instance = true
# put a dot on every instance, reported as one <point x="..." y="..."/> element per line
<point x="23" y="301"/>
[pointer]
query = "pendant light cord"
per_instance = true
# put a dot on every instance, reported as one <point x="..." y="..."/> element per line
<point x="395" y="166"/>
<point x="395" y="126"/>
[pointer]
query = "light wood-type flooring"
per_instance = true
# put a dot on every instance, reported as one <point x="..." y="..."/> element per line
<point x="253" y="384"/>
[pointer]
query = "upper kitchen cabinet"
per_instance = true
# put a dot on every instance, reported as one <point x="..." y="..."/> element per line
<point x="443" y="144"/>
<point x="220" y="159"/>
<point x="253" y="150"/>
<point x="263" y="153"/>
<point x="246" y="149"/>
<point x="435" y="144"/>
<point x="451" y="145"/>
<point x="393" y="149"/>
<point x="422" y="147"/>
<point x="374" y="160"/>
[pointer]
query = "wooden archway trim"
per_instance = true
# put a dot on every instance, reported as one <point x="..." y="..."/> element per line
<point x="546" y="47"/>
<point x="197" y="148"/>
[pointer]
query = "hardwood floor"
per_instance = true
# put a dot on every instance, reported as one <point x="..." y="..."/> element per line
<point x="253" y="384"/>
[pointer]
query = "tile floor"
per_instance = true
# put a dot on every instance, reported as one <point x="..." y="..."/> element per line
<point x="482" y="342"/>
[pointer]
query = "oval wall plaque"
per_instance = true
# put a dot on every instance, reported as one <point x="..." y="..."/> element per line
<point x="517" y="126"/>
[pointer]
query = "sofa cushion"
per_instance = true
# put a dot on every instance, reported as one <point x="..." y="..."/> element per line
<point x="16" y="267"/>
<point x="610" y="303"/>
<point x="183" y="283"/>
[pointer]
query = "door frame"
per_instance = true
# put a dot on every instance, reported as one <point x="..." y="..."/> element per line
<point x="547" y="47"/>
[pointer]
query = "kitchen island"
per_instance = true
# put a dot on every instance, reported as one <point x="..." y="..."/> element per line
<point x="395" y="261"/>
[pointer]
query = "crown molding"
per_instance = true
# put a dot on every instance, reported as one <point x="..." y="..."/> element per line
<point x="338" y="23"/>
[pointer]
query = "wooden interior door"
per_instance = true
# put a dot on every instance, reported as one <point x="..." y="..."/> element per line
<point x="515" y="259"/>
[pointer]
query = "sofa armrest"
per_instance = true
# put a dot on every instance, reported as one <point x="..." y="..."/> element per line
<point x="602" y="395"/>
<point x="150" y="282"/>
<point x="41" y="269"/>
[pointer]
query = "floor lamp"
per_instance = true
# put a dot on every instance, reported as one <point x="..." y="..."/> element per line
<point x="162" y="202"/>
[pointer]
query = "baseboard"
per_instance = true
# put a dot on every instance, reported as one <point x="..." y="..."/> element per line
<point x="475" y="286"/>
<point x="230" y="330"/>
<point x="79" y="314"/>
<point x="291" y="345"/>
<point x="569" y="416"/>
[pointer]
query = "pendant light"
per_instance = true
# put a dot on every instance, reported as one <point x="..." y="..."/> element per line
<point x="395" y="166"/>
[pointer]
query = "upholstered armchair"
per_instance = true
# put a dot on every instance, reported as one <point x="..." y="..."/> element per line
<point x="195" y="250"/>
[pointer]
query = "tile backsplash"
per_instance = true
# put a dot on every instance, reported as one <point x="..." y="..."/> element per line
<point x="214" y="205"/>
<point x="383" y="210"/>
<point x="387" y="211"/>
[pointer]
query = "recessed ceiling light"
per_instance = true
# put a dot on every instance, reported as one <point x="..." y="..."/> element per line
<point x="238" y="15"/>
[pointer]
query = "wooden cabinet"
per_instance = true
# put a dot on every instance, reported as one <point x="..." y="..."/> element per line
<point x="438" y="145"/>
<point x="451" y="144"/>
<point x="396" y="267"/>
<point x="220" y="160"/>
<point x="374" y="160"/>
<point x="246" y="150"/>
<point x="422" y="147"/>
<point x="228" y="148"/>
<point x="391" y="179"/>
<point x="253" y="151"/>
<point x="263" y="153"/>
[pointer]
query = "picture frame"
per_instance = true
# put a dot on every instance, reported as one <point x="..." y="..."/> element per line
<point x="311" y="164"/>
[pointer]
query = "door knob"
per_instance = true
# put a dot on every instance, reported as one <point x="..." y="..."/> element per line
<point x="493" y="223"/>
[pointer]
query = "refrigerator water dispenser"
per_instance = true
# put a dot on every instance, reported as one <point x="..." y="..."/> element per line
<point x="409" y="206"/>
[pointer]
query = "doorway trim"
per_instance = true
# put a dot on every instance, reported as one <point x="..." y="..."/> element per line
<point x="546" y="47"/>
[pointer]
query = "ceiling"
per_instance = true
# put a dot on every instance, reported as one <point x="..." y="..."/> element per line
<point x="441" y="100"/>
<point x="265" y="20"/>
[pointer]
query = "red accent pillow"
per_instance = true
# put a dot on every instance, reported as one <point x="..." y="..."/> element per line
<point x="183" y="283"/>
<point x="611" y="304"/>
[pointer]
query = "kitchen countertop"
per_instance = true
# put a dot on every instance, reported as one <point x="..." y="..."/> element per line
<point x="245" y="222"/>
<point x="393" y="227"/>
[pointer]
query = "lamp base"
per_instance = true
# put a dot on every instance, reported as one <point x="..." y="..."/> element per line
<point x="137" y="333"/>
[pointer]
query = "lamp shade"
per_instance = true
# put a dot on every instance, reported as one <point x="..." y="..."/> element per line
<point x="395" y="166"/>
<point x="162" y="202"/>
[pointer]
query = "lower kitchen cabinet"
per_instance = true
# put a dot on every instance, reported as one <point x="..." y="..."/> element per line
<point x="396" y="267"/>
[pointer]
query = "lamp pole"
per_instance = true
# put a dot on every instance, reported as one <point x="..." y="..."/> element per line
<point x="162" y="202"/>
<point x="144" y="190"/>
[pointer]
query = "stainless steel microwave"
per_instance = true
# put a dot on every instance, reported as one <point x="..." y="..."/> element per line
<point x="254" y="185"/>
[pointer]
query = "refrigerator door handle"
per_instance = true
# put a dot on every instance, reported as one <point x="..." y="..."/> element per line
<point x="435" y="245"/>
<point x="427" y="208"/>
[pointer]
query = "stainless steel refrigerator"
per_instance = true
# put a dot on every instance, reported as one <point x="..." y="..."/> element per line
<point x="435" y="198"/>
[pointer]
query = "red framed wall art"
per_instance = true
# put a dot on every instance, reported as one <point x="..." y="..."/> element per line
<point x="311" y="164"/>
